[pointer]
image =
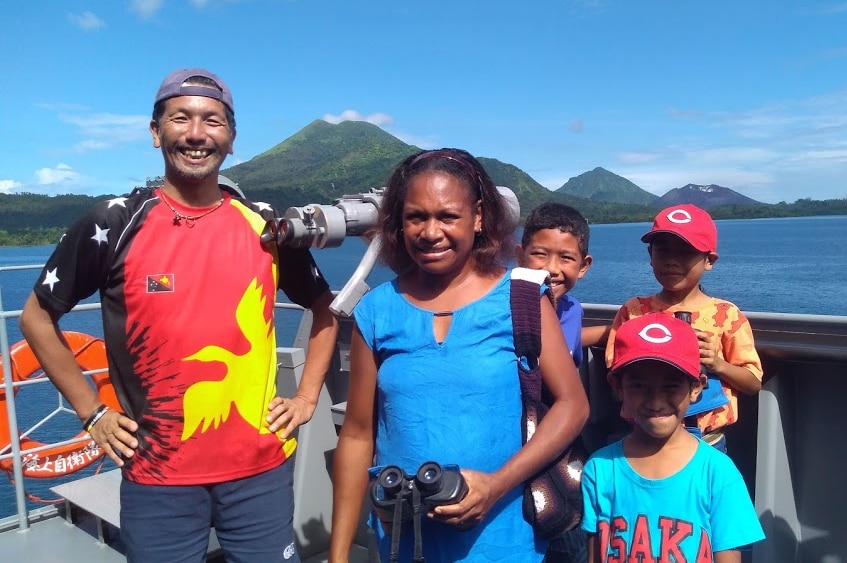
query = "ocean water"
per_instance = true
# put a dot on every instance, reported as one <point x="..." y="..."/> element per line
<point x="789" y="265"/>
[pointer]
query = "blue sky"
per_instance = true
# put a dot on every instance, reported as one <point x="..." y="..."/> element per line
<point x="751" y="95"/>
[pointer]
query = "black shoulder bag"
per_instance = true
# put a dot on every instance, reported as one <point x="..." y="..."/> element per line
<point x="552" y="500"/>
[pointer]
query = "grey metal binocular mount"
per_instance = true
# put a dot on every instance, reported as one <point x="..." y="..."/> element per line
<point x="320" y="226"/>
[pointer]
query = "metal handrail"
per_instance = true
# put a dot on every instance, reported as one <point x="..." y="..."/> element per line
<point x="12" y="415"/>
<point x="9" y="386"/>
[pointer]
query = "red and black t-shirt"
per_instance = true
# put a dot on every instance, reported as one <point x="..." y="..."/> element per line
<point x="188" y="321"/>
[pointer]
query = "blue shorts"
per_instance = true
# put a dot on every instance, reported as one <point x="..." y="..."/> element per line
<point x="253" y="519"/>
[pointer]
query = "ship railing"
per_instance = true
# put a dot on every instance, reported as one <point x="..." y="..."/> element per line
<point x="785" y="443"/>
<point x="13" y="450"/>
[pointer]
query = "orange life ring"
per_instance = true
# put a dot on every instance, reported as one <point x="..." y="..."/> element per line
<point x="90" y="353"/>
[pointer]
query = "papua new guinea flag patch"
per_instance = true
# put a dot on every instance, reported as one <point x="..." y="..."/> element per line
<point x="159" y="283"/>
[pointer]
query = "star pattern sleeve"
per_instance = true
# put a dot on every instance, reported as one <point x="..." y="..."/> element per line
<point x="79" y="264"/>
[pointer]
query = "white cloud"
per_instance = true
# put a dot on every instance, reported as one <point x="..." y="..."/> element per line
<point x="821" y="157"/>
<point x="9" y="186"/>
<point x="145" y="8"/>
<point x="577" y="7"/>
<point x="149" y="8"/>
<point x="61" y="106"/>
<point x="728" y="156"/>
<point x="90" y="145"/>
<point x="422" y="141"/>
<point x="384" y="121"/>
<point x="835" y="9"/>
<point x="86" y="21"/>
<point x="820" y="119"/>
<point x="770" y="153"/>
<point x="636" y="157"/>
<point x="741" y="168"/>
<point x="378" y="119"/>
<point x="61" y="174"/>
<point x="660" y="181"/>
<point x="106" y="130"/>
<point x="685" y="113"/>
<point x="834" y="53"/>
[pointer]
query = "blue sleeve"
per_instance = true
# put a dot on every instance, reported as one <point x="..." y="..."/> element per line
<point x="363" y="313"/>
<point x="589" y="497"/>
<point x="570" y="315"/>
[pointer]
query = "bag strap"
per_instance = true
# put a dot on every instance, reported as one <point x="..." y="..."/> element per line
<point x="526" y="289"/>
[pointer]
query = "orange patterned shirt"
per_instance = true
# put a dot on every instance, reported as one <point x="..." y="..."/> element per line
<point x="728" y="328"/>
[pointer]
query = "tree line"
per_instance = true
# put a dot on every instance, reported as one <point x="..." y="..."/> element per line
<point x="32" y="219"/>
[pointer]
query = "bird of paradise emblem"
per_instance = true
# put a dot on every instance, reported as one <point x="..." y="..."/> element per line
<point x="209" y="403"/>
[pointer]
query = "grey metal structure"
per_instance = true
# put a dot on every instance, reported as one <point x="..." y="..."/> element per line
<point x="787" y="444"/>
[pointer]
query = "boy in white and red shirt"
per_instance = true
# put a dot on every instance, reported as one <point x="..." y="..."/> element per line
<point x="683" y="246"/>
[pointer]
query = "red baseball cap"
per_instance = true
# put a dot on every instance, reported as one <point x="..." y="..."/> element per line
<point x="659" y="337"/>
<point x="690" y="223"/>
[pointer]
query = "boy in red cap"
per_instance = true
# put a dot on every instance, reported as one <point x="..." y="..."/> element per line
<point x="660" y="491"/>
<point x="682" y="246"/>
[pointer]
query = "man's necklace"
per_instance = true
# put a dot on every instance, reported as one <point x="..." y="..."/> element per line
<point x="189" y="219"/>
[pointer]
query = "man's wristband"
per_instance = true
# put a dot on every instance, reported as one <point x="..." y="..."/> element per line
<point x="95" y="416"/>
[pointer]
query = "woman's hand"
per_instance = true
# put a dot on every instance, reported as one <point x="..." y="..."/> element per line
<point x="483" y="493"/>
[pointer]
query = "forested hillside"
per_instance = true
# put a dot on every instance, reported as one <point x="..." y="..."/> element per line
<point x="324" y="161"/>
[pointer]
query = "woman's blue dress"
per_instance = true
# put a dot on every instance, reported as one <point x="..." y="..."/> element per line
<point x="454" y="402"/>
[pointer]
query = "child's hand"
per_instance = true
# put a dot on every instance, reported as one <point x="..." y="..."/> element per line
<point x="708" y="351"/>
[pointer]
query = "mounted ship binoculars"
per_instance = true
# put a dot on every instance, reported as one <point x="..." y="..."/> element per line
<point x="319" y="226"/>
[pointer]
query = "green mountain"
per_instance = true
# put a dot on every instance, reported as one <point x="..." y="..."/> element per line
<point x="601" y="185"/>
<point x="324" y="161"/>
<point x="321" y="162"/>
<point x="530" y="193"/>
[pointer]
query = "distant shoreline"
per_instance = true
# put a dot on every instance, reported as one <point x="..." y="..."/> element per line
<point x="45" y="236"/>
<point x="38" y="236"/>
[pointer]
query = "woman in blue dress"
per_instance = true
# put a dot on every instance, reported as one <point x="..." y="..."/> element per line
<point x="433" y="372"/>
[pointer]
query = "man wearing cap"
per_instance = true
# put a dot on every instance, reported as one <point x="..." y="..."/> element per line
<point x="187" y="290"/>
<point x="660" y="491"/>
<point x="682" y="246"/>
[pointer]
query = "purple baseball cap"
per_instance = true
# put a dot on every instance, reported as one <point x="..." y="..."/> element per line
<point x="173" y="86"/>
